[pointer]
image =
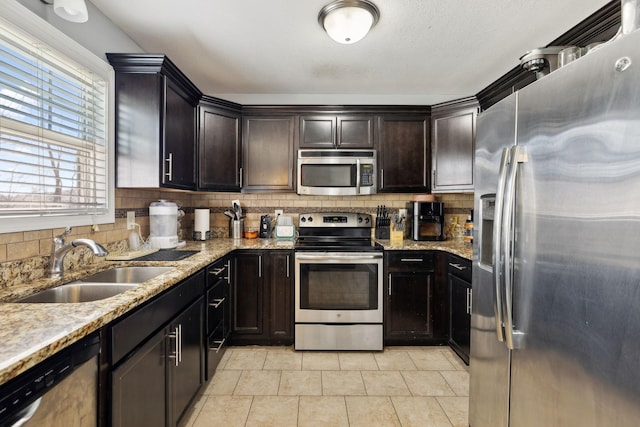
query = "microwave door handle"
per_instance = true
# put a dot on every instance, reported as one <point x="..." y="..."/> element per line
<point x="357" y="176"/>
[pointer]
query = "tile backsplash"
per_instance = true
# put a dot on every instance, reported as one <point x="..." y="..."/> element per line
<point x="23" y="255"/>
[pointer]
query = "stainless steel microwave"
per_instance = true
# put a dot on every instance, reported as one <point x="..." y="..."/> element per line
<point x="333" y="172"/>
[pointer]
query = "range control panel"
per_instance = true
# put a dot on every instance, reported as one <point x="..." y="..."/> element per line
<point x="333" y="219"/>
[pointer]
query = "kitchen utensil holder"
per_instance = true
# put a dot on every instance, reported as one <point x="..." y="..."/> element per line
<point x="236" y="228"/>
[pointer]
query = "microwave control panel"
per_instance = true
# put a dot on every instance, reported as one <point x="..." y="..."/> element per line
<point x="366" y="175"/>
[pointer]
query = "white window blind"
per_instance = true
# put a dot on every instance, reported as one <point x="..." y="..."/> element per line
<point x="53" y="132"/>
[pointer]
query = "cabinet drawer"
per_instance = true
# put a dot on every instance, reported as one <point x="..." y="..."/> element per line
<point x="459" y="267"/>
<point x="130" y="332"/>
<point x="216" y="272"/>
<point x="216" y="302"/>
<point x="410" y="261"/>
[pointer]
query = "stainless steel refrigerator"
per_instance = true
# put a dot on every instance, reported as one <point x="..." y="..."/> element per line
<point x="555" y="328"/>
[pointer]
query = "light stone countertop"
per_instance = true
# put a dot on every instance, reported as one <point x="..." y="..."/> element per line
<point x="30" y="333"/>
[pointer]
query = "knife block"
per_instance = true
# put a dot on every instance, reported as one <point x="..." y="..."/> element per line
<point x="382" y="228"/>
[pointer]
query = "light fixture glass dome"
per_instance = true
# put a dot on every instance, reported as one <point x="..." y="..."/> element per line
<point x="348" y="21"/>
<point x="71" y="10"/>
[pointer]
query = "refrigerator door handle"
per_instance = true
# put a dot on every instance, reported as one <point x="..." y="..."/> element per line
<point x="514" y="339"/>
<point x="498" y="259"/>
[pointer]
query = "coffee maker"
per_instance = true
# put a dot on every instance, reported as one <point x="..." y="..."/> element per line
<point x="427" y="220"/>
<point x="265" y="227"/>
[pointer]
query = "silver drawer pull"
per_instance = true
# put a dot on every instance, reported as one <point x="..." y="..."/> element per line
<point x="219" y="343"/>
<point x="216" y="302"/>
<point x="217" y="271"/>
<point x="411" y="259"/>
<point x="457" y="266"/>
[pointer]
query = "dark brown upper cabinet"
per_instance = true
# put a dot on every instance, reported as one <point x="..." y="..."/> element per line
<point x="155" y="123"/>
<point x="403" y="153"/>
<point x="220" y="146"/>
<point x="341" y="131"/>
<point x="268" y="153"/>
<point x="453" y="145"/>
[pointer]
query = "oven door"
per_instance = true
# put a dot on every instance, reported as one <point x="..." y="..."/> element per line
<point x="338" y="287"/>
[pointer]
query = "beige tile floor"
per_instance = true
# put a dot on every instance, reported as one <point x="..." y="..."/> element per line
<point x="277" y="386"/>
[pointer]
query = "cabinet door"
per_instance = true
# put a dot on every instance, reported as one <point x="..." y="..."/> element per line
<point x="138" y="134"/>
<point x="408" y="300"/>
<point x="249" y="299"/>
<point x="220" y="150"/>
<point x="453" y="150"/>
<point x="460" y="316"/>
<point x="179" y="142"/>
<point x="281" y="310"/>
<point x="268" y="154"/>
<point x="403" y="147"/>
<point x="185" y="364"/>
<point x="355" y="131"/>
<point x="138" y="387"/>
<point x="318" y="132"/>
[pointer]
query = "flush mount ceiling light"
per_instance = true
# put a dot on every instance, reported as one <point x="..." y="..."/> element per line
<point x="70" y="10"/>
<point x="348" y="21"/>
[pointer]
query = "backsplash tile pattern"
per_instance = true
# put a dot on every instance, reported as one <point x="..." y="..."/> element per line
<point x="24" y="255"/>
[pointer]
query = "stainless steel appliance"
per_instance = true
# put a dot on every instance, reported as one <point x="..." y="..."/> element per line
<point x="426" y="220"/>
<point x="338" y="283"/>
<point x="556" y="271"/>
<point x="337" y="172"/>
<point x="60" y="391"/>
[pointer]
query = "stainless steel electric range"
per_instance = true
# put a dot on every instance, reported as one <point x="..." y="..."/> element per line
<point x="338" y="283"/>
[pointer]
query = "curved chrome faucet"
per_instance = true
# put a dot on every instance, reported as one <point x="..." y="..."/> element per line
<point x="59" y="249"/>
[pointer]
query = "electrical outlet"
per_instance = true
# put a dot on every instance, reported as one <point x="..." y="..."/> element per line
<point x="131" y="220"/>
<point x="279" y="212"/>
<point x="402" y="212"/>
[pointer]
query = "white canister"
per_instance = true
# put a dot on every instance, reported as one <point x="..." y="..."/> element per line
<point x="163" y="224"/>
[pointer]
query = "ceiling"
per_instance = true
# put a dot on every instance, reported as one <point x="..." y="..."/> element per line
<point x="421" y="52"/>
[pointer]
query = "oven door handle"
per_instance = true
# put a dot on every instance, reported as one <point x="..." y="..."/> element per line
<point x="340" y="255"/>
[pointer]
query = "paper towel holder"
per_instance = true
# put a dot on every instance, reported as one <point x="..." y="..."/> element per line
<point x="201" y="227"/>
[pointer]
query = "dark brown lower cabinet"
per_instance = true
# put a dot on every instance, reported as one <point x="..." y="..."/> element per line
<point x="156" y="358"/>
<point x="459" y="279"/>
<point x="413" y="299"/>
<point x="262" y="298"/>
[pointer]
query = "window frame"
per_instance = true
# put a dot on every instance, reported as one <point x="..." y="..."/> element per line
<point x="37" y="27"/>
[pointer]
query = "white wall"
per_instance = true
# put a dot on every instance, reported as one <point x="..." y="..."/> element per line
<point x="98" y="34"/>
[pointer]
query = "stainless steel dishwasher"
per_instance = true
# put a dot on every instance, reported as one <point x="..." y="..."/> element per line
<point x="60" y="391"/>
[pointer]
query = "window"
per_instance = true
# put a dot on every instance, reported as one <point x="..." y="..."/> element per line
<point x="55" y="161"/>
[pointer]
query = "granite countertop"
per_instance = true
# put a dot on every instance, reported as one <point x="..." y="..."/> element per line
<point x="30" y="333"/>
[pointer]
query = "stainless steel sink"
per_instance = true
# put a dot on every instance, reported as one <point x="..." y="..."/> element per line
<point x="126" y="275"/>
<point x="78" y="292"/>
<point x="98" y="286"/>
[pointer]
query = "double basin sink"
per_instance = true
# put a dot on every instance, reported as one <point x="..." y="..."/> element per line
<point x="104" y="284"/>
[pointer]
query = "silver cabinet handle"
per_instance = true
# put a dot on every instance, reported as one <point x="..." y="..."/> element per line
<point x="411" y="259"/>
<point x="180" y="343"/>
<point x="357" y="176"/>
<point x="176" y="355"/>
<point x="241" y="177"/>
<point x="469" y="301"/>
<point x="457" y="266"/>
<point x="169" y="173"/>
<point x="219" y="345"/>
<point x="381" y="178"/>
<point x="228" y="271"/>
<point x="217" y="271"/>
<point x="389" y="284"/>
<point x="216" y="302"/>
<point x="288" y="273"/>
<point x="259" y="265"/>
